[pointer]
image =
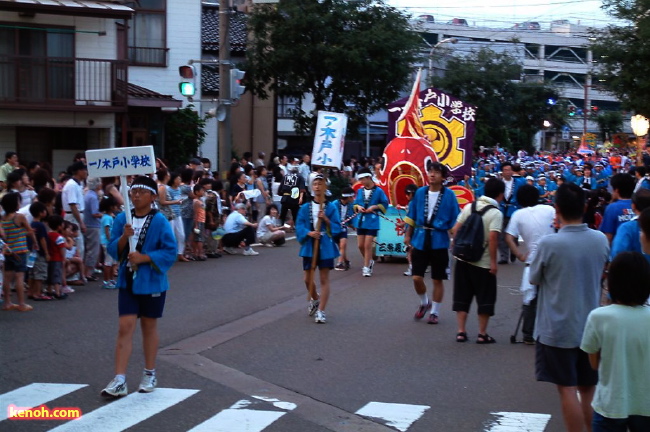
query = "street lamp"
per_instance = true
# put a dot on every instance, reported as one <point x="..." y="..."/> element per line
<point x="444" y="41"/>
<point x="639" y="125"/>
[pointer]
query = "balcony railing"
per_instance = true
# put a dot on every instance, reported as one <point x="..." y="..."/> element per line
<point x="62" y="82"/>
<point x="139" y="56"/>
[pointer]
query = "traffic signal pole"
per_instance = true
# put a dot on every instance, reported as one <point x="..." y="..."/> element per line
<point x="225" y="126"/>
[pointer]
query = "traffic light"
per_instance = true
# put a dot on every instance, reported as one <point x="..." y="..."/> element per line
<point x="187" y="86"/>
<point x="236" y="87"/>
<point x="572" y="110"/>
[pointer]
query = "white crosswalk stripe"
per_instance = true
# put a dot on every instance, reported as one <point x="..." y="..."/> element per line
<point x="246" y="415"/>
<point x="399" y="416"/>
<point x="519" y="422"/>
<point x="34" y="395"/>
<point x="128" y="411"/>
<point x="238" y="417"/>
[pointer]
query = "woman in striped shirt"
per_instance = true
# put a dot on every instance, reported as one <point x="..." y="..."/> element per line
<point x="16" y="230"/>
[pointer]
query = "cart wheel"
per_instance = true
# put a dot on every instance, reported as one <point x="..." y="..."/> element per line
<point x="513" y="339"/>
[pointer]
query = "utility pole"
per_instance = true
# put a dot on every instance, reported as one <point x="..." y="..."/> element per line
<point x="225" y="126"/>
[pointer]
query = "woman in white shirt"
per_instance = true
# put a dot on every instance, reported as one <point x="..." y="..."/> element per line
<point x="270" y="231"/>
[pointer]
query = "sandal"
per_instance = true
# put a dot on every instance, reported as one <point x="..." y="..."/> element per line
<point x="40" y="297"/>
<point x="24" y="308"/>
<point x="485" y="339"/>
<point x="461" y="337"/>
<point x="9" y="307"/>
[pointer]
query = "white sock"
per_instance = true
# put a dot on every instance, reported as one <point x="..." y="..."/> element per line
<point x="120" y="378"/>
<point x="150" y="371"/>
<point x="435" y="308"/>
<point x="424" y="299"/>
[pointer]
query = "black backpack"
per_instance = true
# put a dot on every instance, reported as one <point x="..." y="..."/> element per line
<point x="469" y="243"/>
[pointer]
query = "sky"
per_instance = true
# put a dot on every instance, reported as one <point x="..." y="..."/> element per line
<point x="505" y="13"/>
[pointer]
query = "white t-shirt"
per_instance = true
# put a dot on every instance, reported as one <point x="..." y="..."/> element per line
<point x="433" y="199"/>
<point x="72" y="193"/>
<point x="509" y="184"/>
<point x="532" y="223"/>
<point x="622" y="335"/>
<point x="265" y="223"/>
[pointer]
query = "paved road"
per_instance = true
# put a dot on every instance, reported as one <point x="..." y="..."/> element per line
<point x="239" y="351"/>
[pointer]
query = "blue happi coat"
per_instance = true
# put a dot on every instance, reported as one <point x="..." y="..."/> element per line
<point x="443" y="220"/>
<point x="370" y="220"/>
<point x="304" y="225"/>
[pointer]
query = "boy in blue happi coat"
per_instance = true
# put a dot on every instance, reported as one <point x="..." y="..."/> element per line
<point x="370" y="200"/>
<point x="142" y="282"/>
<point x="316" y="221"/>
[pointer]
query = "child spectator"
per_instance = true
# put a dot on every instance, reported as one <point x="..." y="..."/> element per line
<point x="617" y="339"/>
<point x="16" y="230"/>
<point x="346" y="212"/>
<point x="74" y="264"/>
<point x="199" y="223"/>
<point x="38" y="272"/>
<point x="142" y="282"/>
<point x="270" y="231"/>
<point x="108" y="206"/>
<point x="57" y="247"/>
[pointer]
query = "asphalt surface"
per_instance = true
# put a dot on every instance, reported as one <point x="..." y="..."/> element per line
<point x="237" y="327"/>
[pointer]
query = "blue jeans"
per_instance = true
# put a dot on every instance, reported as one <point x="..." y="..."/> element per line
<point x="633" y="423"/>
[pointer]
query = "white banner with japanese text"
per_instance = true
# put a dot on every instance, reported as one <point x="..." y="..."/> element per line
<point x="121" y="161"/>
<point x="329" y="139"/>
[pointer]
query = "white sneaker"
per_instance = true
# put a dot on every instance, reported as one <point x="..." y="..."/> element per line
<point x="148" y="383"/>
<point x="313" y="306"/>
<point x="250" y="252"/>
<point x="115" y="388"/>
<point x="408" y="272"/>
<point x="67" y="290"/>
<point x="365" y="272"/>
<point x="320" y="317"/>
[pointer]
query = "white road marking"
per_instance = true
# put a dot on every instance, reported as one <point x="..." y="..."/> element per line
<point x="278" y="403"/>
<point x="128" y="411"/>
<point x="519" y="422"/>
<point x="399" y="416"/>
<point x="34" y="395"/>
<point x="239" y="419"/>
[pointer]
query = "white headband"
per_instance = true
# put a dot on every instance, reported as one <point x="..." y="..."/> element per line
<point x="144" y="186"/>
<point x="362" y="175"/>
<point x="348" y="195"/>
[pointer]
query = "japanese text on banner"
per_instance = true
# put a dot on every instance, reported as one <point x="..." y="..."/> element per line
<point x="329" y="139"/>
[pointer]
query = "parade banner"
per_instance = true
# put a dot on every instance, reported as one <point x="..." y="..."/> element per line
<point x="122" y="162"/>
<point x="449" y="125"/>
<point x="329" y="139"/>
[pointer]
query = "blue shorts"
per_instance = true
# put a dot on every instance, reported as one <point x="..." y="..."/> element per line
<point x="367" y="232"/>
<point x="567" y="367"/>
<point x="16" y="262"/>
<point x="142" y="305"/>
<point x="326" y="263"/>
<point x="342" y="235"/>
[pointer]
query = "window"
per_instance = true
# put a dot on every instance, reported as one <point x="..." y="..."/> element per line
<point x="36" y="64"/>
<point x="148" y="33"/>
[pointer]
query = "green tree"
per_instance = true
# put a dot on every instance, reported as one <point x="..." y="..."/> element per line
<point x="610" y="122"/>
<point x="350" y="56"/>
<point x="508" y="112"/>
<point x="183" y="135"/>
<point x="621" y="53"/>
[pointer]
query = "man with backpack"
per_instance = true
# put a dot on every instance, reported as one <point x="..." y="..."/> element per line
<point x="477" y="227"/>
<point x="292" y="191"/>
<point x="431" y="214"/>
